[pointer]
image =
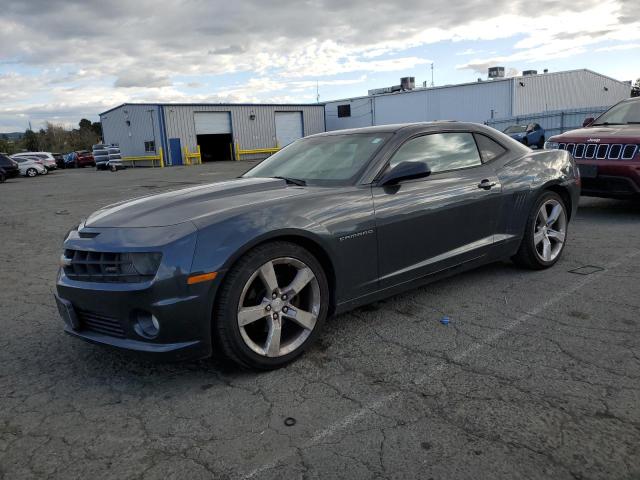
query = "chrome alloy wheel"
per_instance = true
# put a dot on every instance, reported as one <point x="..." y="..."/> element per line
<point x="550" y="230"/>
<point x="279" y="307"/>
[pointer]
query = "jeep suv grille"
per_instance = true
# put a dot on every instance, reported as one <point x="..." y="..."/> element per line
<point x="110" y="267"/>
<point x="601" y="151"/>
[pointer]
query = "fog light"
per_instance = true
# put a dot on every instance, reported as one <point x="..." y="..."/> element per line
<point x="146" y="325"/>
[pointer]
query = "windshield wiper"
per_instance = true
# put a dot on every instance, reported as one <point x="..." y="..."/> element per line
<point x="293" y="181"/>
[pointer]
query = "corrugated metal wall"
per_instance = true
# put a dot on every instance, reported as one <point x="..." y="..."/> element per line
<point x="400" y="108"/>
<point x="469" y="103"/>
<point x="131" y="138"/>
<point x="361" y="114"/>
<point x="250" y="134"/>
<point x="565" y="90"/>
<point x="553" y="123"/>
<point x="483" y="101"/>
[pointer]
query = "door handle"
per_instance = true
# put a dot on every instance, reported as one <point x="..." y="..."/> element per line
<point x="486" y="184"/>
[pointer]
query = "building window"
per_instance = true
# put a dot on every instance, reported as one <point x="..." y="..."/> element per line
<point x="150" y="146"/>
<point x="344" y="111"/>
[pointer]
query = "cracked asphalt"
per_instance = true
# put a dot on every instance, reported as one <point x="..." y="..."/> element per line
<point x="536" y="376"/>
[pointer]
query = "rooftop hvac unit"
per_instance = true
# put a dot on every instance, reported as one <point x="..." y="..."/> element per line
<point x="408" y="83"/>
<point x="530" y="72"/>
<point x="496" y="72"/>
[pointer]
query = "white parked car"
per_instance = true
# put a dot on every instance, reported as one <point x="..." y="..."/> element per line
<point x="48" y="160"/>
<point x="29" y="167"/>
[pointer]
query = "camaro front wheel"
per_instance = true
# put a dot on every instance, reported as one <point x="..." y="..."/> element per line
<point x="545" y="233"/>
<point x="271" y="306"/>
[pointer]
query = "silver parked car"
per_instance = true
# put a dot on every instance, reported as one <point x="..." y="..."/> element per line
<point x="29" y="166"/>
<point x="48" y="160"/>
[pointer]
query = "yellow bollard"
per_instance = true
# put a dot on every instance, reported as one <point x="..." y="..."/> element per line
<point x="161" y="158"/>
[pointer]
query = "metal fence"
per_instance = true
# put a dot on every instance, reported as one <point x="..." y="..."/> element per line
<point x="554" y="123"/>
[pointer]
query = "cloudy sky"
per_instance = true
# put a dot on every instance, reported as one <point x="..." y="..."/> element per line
<point x="61" y="60"/>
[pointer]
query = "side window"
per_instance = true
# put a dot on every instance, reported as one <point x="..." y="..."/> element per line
<point x="489" y="149"/>
<point x="441" y="151"/>
<point x="344" y="111"/>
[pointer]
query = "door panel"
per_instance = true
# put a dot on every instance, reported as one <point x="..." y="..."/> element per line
<point x="431" y="224"/>
<point x="288" y="127"/>
<point x="176" y="151"/>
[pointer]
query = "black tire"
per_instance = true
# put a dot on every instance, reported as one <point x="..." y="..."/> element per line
<point x="2" y="178"/>
<point x="527" y="256"/>
<point x="32" y="172"/>
<point x="525" y="142"/>
<point x="541" y="142"/>
<point x="226" y="332"/>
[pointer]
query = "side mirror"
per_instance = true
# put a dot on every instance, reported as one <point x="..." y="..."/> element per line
<point x="588" y="121"/>
<point x="406" y="171"/>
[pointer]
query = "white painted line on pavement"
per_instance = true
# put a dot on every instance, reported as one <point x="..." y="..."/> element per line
<point x="356" y="416"/>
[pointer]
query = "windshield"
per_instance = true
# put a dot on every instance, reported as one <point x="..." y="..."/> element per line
<point x="325" y="160"/>
<point x="516" y="129"/>
<point x="621" y="114"/>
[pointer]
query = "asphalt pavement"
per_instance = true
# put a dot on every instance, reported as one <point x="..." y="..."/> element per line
<point x="537" y="374"/>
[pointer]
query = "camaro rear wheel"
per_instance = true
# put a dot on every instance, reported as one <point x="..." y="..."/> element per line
<point x="545" y="233"/>
<point x="271" y="306"/>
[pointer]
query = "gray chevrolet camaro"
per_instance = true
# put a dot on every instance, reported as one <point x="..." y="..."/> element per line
<point x="252" y="267"/>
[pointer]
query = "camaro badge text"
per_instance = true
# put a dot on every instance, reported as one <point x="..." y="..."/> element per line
<point x="356" y="235"/>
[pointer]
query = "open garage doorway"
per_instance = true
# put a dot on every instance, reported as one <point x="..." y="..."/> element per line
<point x="215" y="147"/>
<point x="213" y="134"/>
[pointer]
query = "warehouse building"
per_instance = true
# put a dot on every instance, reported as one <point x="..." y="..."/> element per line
<point x="221" y="131"/>
<point x="484" y="101"/>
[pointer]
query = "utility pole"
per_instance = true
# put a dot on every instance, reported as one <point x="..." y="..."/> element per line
<point x="432" y="74"/>
<point x="317" y="91"/>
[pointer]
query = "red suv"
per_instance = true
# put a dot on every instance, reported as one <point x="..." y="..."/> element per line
<point x="607" y="151"/>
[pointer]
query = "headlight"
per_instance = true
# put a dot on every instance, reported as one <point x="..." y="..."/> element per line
<point x="146" y="263"/>
<point x="551" y="145"/>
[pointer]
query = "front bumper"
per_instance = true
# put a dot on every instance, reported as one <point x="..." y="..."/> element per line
<point x="610" y="179"/>
<point x="107" y="313"/>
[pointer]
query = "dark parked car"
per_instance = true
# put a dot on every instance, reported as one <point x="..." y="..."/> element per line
<point x="531" y="134"/>
<point x="253" y="266"/>
<point x="59" y="160"/>
<point x="607" y="151"/>
<point x="10" y="167"/>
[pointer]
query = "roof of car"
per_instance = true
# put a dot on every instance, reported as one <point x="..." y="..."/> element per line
<point x="393" y="128"/>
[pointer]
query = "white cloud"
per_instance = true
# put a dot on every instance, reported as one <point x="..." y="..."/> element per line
<point x="94" y="54"/>
<point x="624" y="46"/>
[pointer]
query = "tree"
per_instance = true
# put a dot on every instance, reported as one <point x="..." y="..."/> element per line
<point x="97" y="128"/>
<point x="85" y="124"/>
<point x="30" y="140"/>
<point x="635" y="89"/>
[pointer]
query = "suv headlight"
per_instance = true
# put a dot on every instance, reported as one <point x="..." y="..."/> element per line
<point x="551" y="145"/>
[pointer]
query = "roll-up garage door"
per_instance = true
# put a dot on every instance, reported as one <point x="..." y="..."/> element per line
<point x="208" y="123"/>
<point x="288" y="127"/>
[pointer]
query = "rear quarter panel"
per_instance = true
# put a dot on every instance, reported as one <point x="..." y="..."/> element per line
<point x="523" y="180"/>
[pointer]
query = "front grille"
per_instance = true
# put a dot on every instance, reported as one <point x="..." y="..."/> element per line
<point x="112" y="267"/>
<point x="97" y="322"/>
<point x="601" y="151"/>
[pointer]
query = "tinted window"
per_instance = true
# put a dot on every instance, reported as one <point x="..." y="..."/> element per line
<point x="344" y="111"/>
<point x="4" y="161"/>
<point x="489" y="149"/>
<point x="441" y="151"/>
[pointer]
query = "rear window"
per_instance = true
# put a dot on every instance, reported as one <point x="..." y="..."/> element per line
<point x="489" y="149"/>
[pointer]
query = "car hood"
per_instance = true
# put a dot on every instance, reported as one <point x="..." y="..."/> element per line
<point x="179" y="206"/>
<point x="605" y="134"/>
